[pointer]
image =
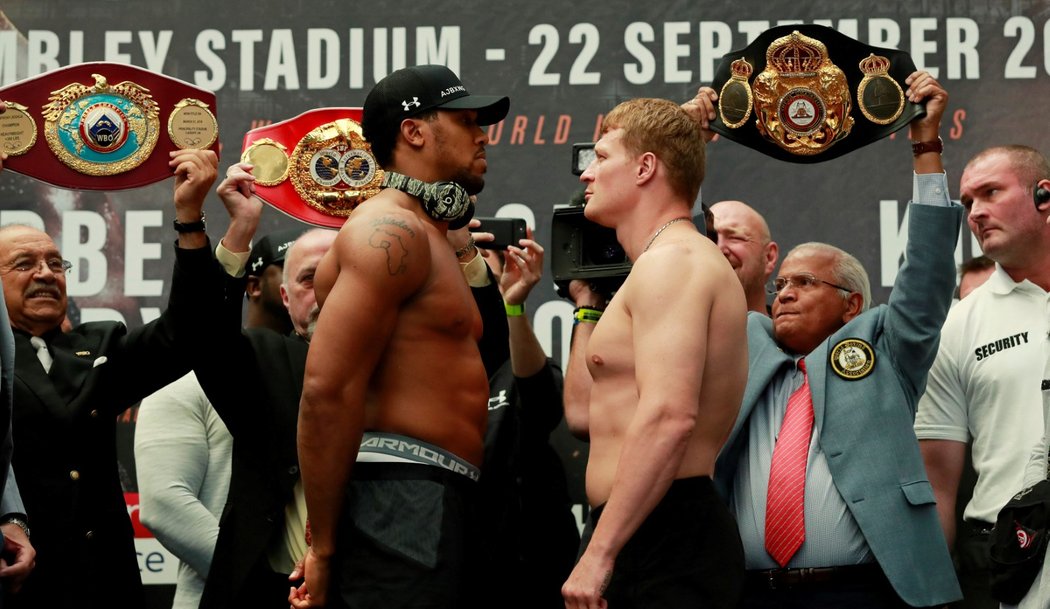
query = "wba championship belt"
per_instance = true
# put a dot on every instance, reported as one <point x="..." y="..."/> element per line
<point x="103" y="126"/>
<point x="806" y="94"/>
<point x="316" y="167"/>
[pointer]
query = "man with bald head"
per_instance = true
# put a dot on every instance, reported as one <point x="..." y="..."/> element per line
<point x="743" y="237"/>
<point x="254" y="378"/>
<point x="183" y="450"/>
<point x="985" y="385"/>
<point x="297" y="286"/>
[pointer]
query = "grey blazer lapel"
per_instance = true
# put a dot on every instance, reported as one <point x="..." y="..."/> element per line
<point x="817" y="370"/>
<point x="765" y="359"/>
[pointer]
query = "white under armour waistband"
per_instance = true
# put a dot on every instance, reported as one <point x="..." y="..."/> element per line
<point x="380" y="447"/>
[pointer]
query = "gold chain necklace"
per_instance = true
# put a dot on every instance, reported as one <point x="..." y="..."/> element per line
<point x="660" y="230"/>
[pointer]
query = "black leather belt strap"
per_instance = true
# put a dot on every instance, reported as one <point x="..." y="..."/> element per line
<point x="782" y="579"/>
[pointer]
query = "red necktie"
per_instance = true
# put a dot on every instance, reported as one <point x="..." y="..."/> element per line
<point x="785" y="500"/>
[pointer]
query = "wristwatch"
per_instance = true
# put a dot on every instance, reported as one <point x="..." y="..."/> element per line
<point x="189" y="227"/>
<point x="936" y="145"/>
<point x="20" y="523"/>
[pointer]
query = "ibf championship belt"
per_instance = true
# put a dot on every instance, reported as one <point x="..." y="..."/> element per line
<point x="316" y="167"/>
<point x="807" y="93"/>
<point x="103" y="126"/>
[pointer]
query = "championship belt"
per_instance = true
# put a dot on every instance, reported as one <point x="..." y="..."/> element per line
<point x="103" y="126"/>
<point x="316" y="167"/>
<point x="807" y="93"/>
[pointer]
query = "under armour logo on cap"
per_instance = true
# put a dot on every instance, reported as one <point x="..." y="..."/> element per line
<point x="420" y="89"/>
<point x="257" y="264"/>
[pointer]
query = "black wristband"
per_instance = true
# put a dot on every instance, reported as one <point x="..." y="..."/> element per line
<point x="189" y="227"/>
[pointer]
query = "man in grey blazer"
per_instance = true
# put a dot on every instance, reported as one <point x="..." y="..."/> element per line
<point x="866" y="531"/>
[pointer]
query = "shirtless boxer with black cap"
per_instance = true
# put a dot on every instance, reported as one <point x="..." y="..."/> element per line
<point x="395" y="396"/>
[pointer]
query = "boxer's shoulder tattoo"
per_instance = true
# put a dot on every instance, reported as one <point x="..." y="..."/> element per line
<point x="389" y="235"/>
<point x="392" y="222"/>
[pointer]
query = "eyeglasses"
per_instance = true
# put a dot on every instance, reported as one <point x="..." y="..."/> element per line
<point x="57" y="266"/>
<point x="801" y="281"/>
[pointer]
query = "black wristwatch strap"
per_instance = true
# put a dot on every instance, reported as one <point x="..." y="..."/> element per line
<point x="189" y="227"/>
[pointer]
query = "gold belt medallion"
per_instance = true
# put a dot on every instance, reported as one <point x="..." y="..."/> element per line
<point x="331" y="168"/>
<point x="17" y="129"/>
<point x="192" y="124"/>
<point x="269" y="159"/>
<point x="880" y="98"/>
<point x="735" y="100"/>
<point x="101" y="129"/>
<point x="802" y="99"/>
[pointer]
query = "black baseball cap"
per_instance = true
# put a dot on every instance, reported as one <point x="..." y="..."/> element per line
<point x="411" y="91"/>
<point x="270" y="249"/>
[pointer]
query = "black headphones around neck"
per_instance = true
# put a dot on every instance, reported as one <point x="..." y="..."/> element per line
<point x="443" y="201"/>
<point x="1040" y="195"/>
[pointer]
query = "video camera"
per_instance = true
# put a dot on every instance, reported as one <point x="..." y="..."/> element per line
<point x="582" y="249"/>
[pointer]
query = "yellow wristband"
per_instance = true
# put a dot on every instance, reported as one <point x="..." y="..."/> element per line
<point x="586" y="315"/>
<point x="514" y="310"/>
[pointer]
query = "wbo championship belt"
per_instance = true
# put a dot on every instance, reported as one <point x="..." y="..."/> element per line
<point x="103" y="126"/>
<point x="807" y="93"/>
<point x="316" y="167"/>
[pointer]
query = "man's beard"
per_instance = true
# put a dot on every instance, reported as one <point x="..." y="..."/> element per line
<point x="311" y="325"/>
<point x="464" y="177"/>
<point x="473" y="184"/>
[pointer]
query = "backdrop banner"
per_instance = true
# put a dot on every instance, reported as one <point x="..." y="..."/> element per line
<point x="564" y="65"/>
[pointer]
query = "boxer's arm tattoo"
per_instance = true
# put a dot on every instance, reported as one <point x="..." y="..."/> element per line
<point x="387" y="237"/>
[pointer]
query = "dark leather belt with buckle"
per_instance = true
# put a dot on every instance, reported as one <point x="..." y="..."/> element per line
<point x="782" y="579"/>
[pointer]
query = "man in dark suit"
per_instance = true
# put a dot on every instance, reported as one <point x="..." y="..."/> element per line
<point x="68" y="388"/>
<point x="253" y="380"/>
<point x="183" y="450"/>
<point x="855" y="524"/>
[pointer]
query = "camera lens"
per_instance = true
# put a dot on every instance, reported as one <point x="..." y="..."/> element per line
<point x="610" y="254"/>
<point x="604" y="253"/>
<point x="600" y="247"/>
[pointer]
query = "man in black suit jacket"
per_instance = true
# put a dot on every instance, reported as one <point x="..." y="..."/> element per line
<point x="63" y="416"/>
<point x="253" y="379"/>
